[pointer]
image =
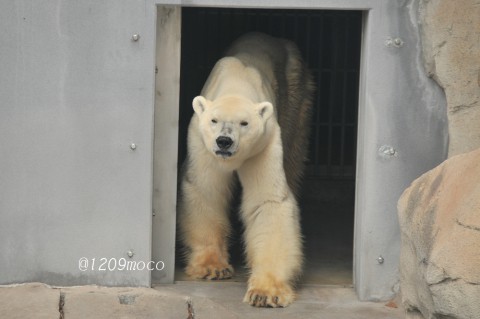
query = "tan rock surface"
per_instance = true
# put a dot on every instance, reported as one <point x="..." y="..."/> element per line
<point x="451" y="43"/>
<point x="440" y="226"/>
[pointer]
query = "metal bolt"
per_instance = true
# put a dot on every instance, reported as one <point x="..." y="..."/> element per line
<point x="133" y="146"/>
<point x="398" y="42"/>
<point x="130" y="253"/>
<point x="135" y="37"/>
<point x="380" y="259"/>
<point x="387" y="151"/>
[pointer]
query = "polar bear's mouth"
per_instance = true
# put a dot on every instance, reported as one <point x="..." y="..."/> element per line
<point x="223" y="153"/>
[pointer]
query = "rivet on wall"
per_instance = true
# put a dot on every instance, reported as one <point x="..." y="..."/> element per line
<point x="135" y="37"/>
<point x="380" y="259"/>
<point x="387" y="151"/>
<point x="394" y="42"/>
<point x="130" y="253"/>
<point x="133" y="146"/>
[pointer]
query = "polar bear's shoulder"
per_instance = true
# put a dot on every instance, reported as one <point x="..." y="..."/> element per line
<point x="229" y="62"/>
<point x="234" y="66"/>
<point x="231" y="75"/>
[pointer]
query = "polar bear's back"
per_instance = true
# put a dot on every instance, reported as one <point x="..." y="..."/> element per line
<point x="279" y="63"/>
<point x="260" y="51"/>
<point x="230" y="76"/>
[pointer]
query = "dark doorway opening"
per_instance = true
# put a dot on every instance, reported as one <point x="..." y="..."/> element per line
<point x="330" y="42"/>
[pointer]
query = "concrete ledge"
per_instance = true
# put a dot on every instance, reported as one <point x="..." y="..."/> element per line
<point x="190" y="300"/>
<point x="34" y="300"/>
<point x="101" y="302"/>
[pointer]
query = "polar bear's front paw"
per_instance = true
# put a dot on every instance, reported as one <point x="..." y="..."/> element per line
<point x="209" y="266"/>
<point x="211" y="272"/>
<point x="270" y="294"/>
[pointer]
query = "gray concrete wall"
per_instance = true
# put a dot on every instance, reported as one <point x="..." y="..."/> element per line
<point x="402" y="133"/>
<point x="75" y="92"/>
<point x="167" y="90"/>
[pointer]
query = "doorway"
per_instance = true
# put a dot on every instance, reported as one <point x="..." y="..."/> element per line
<point x="330" y="42"/>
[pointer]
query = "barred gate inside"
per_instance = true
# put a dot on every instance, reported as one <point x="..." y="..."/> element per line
<point x="330" y="43"/>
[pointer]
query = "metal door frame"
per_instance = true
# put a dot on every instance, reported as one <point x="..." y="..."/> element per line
<point x="400" y="110"/>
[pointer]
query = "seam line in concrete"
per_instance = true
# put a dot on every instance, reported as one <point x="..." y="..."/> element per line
<point x="61" y="305"/>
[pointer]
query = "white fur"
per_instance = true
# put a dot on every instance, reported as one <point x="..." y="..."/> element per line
<point x="237" y="104"/>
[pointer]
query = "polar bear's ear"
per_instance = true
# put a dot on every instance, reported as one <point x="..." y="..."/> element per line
<point x="265" y="109"/>
<point x="200" y="104"/>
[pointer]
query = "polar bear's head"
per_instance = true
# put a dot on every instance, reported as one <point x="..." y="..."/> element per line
<point x="233" y="127"/>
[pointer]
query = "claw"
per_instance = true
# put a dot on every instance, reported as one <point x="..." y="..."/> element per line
<point x="208" y="274"/>
<point x="275" y="300"/>
<point x="263" y="301"/>
<point x="254" y="302"/>
<point x="260" y="298"/>
<point x="226" y="273"/>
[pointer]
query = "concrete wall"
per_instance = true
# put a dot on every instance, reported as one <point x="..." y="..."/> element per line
<point x="75" y="93"/>
<point x="167" y="90"/>
<point x="403" y="134"/>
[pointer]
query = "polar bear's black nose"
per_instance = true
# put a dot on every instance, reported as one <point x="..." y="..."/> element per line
<point x="224" y="142"/>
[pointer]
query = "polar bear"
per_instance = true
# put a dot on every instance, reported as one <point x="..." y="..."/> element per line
<point x="251" y="121"/>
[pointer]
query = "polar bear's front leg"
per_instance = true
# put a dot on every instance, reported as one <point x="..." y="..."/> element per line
<point x="272" y="235"/>
<point x="204" y="223"/>
<point x="273" y="244"/>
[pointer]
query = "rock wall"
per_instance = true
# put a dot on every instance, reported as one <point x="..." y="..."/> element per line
<point x="439" y="213"/>
<point x="439" y="218"/>
<point x="451" y="45"/>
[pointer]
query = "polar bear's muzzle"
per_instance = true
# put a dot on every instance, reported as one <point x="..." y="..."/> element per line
<point x="224" y="143"/>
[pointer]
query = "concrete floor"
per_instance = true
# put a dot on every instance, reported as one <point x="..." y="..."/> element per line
<point x="314" y="301"/>
<point x="191" y="300"/>
<point x="327" y="211"/>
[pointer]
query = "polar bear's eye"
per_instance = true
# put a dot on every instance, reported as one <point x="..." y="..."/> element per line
<point x="214" y="121"/>
<point x="243" y="123"/>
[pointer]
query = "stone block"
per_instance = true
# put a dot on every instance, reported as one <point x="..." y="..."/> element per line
<point x="439" y="218"/>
